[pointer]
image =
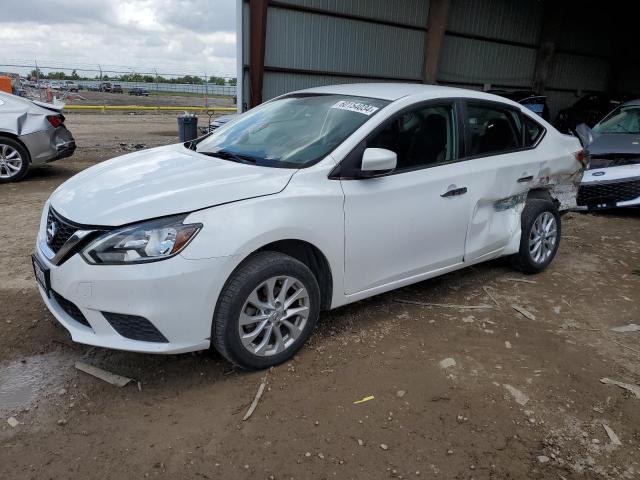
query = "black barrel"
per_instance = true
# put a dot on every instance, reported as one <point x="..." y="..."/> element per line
<point x="187" y="126"/>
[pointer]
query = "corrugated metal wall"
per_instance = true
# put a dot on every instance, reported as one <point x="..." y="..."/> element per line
<point x="348" y="46"/>
<point x="311" y="48"/>
<point x="487" y="42"/>
<point x="491" y="42"/>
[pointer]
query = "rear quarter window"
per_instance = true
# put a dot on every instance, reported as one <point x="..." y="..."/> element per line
<point x="533" y="131"/>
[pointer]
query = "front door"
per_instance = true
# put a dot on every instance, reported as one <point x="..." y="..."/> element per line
<point x="414" y="219"/>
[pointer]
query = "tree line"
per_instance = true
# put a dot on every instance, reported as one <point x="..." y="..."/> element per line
<point x="132" y="77"/>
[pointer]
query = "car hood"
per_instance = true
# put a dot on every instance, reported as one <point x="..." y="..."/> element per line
<point x="621" y="143"/>
<point x="614" y="150"/>
<point x="158" y="182"/>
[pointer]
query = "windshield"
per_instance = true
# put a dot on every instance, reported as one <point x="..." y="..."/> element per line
<point x="291" y="132"/>
<point x="621" y="120"/>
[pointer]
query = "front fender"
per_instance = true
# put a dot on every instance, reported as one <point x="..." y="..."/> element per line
<point x="314" y="215"/>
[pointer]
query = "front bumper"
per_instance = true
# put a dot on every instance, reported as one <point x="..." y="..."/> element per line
<point x="49" y="145"/>
<point x="177" y="296"/>
<point x="611" y="187"/>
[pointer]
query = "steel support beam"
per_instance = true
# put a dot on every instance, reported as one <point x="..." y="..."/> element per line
<point x="257" y="40"/>
<point x="553" y="21"/>
<point x="436" y="26"/>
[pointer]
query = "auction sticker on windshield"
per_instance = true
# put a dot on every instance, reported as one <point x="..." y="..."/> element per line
<point x="356" y="107"/>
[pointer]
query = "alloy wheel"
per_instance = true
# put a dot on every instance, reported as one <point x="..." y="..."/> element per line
<point x="10" y="161"/>
<point x="543" y="237"/>
<point x="274" y="316"/>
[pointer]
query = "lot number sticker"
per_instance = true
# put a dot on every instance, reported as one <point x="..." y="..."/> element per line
<point x="356" y="107"/>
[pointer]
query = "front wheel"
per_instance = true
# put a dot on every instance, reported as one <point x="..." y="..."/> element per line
<point x="266" y="311"/>
<point x="540" y="236"/>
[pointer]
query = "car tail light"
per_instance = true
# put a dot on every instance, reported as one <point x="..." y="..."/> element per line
<point x="581" y="157"/>
<point x="55" y="120"/>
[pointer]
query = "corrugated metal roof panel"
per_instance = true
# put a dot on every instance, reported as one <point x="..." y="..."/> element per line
<point x="476" y="61"/>
<point x="517" y="21"/>
<point x="410" y="12"/>
<point x="308" y="41"/>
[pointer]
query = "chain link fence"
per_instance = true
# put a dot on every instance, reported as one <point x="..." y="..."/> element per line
<point x="47" y="74"/>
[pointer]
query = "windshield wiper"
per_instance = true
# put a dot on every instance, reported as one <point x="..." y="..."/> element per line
<point x="234" y="157"/>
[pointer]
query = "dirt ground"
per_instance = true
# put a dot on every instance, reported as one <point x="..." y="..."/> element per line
<point x="523" y="400"/>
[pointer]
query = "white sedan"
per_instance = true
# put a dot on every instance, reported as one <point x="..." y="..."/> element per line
<point x="308" y="202"/>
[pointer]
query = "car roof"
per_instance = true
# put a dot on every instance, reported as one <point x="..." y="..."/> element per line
<point x="395" y="91"/>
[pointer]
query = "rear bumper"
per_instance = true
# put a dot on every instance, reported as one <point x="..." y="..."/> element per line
<point x="49" y="145"/>
<point x="612" y="187"/>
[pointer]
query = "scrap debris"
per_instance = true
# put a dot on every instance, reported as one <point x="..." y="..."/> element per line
<point x="632" y="327"/>
<point x="486" y="290"/>
<point x="254" y="404"/>
<point x="365" y="399"/>
<point x="521" y="280"/>
<point x="13" y="423"/>
<point x="518" y="396"/>
<point x="132" y="147"/>
<point x="447" y="362"/>
<point x="442" y="305"/>
<point x="112" y="378"/>
<point x="522" y="311"/>
<point x="615" y="440"/>
<point x="635" y="389"/>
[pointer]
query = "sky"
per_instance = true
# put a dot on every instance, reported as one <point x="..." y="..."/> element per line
<point x="181" y="36"/>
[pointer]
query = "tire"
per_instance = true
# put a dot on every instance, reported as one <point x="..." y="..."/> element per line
<point x="540" y="218"/>
<point x="13" y="155"/>
<point x="245" y="296"/>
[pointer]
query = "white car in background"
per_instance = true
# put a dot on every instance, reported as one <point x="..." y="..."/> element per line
<point x="310" y="201"/>
<point x="612" y="178"/>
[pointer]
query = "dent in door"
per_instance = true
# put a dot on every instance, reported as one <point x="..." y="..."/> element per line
<point x="495" y="219"/>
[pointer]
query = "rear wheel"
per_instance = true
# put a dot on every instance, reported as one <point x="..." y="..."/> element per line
<point x="540" y="236"/>
<point x="14" y="160"/>
<point x="266" y="311"/>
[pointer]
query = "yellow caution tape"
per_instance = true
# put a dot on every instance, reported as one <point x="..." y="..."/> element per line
<point x="147" y="108"/>
<point x="365" y="399"/>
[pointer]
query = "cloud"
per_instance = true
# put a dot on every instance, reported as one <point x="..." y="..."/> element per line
<point x="172" y="36"/>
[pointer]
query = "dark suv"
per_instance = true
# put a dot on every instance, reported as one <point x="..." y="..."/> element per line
<point x="139" y="92"/>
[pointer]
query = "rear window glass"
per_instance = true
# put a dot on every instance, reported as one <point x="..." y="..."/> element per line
<point x="532" y="132"/>
<point x="493" y="130"/>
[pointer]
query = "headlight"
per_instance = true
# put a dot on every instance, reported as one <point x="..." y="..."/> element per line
<point x="145" y="242"/>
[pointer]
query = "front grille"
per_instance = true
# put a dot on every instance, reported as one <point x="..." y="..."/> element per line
<point x="607" y="192"/>
<point x="62" y="230"/>
<point x="70" y="309"/>
<point x="134" y="327"/>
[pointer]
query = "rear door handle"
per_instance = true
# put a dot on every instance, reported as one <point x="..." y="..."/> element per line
<point x="525" y="179"/>
<point x="454" y="191"/>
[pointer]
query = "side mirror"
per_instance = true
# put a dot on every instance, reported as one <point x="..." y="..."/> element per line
<point x="584" y="134"/>
<point x="378" y="160"/>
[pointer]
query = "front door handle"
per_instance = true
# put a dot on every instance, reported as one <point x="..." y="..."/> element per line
<point x="525" y="179"/>
<point x="454" y="192"/>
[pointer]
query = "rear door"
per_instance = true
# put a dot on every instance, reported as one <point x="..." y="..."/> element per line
<point x="502" y="170"/>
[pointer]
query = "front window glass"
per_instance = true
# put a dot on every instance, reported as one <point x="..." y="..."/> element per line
<point x="621" y="120"/>
<point x="420" y="137"/>
<point x="291" y="132"/>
